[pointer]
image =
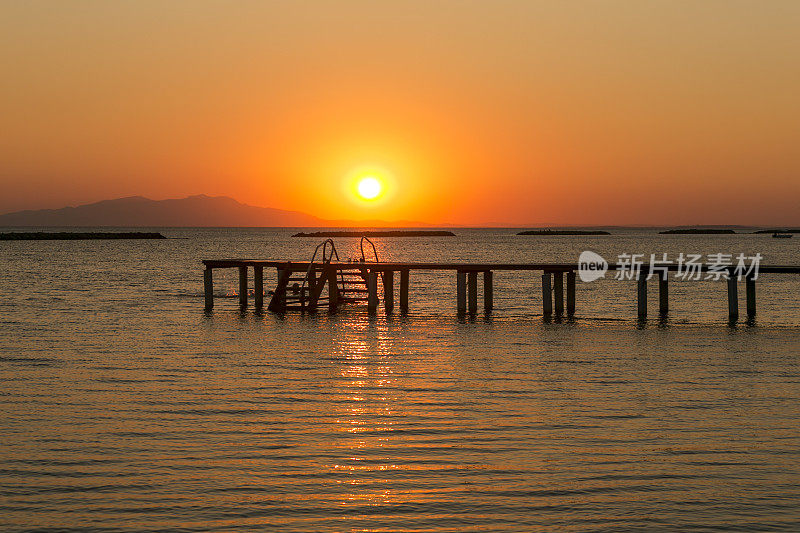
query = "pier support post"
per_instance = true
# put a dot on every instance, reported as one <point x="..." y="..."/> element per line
<point x="310" y="296"/>
<point x="243" y="286"/>
<point x="372" y="291"/>
<point x="571" y="293"/>
<point x="208" y="287"/>
<point x="733" y="299"/>
<point x="312" y="282"/>
<point x="258" y="287"/>
<point x="547" y="295"/>
<point x="388" y="291"/>
<point x="461" y="291"/>
<point x="750" y="289"/>
<point x="663" y="293"/>
<point x="278" y="301"/>
<point x="472" y="291"/>
<point x="333" y="290"/>
<point x="404" y="291"/>
<point x="488" y="291"/>
<point x="558" y="292"/>
<point x="641" y="293"/>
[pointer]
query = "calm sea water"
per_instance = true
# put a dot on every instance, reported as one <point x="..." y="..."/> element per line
<point x="126" y="408"/>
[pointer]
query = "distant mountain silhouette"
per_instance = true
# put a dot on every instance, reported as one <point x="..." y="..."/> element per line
<point x="135" y="211"/>
<point x="193" y="211"/>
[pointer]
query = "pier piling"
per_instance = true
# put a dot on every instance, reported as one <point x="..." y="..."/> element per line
<point x="733" y="299"/>
<point x="558" y="292"/>
<point x="309" y="296"/>
<point x="333" y="289"/>
<point x="547" y="295"/>
<point x="388" y="291"/>
<point x="277" y="303"/>
<point x="242" y="286"/>
<point x="461" y="291"/>
<point x="404" y="275"/>
<point x="208" y="288"/>
<point x="750" y="290"/>
<point x="258" y="287"/>
<point x="571" y="293"/>
<point x="488" y="290"/>
<point x="312" y="281"/>
<point x="372" y="291"/>
<point x="641" y="293"/>
<point x="663" y="293"/>
<point x="472" y="291"/>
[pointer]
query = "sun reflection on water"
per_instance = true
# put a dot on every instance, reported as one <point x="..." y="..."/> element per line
<point x="367" y="414"/>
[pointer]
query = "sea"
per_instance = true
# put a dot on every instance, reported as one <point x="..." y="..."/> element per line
<point x="124" y="406"/>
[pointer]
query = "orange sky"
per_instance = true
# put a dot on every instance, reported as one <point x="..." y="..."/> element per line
<point x="523" y="112"/>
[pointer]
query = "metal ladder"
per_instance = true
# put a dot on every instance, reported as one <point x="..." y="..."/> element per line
<point x="353" y="282"/>
<point x="305" y="294"/>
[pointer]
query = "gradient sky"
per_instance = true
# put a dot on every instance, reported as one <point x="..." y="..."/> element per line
<point x="524" y="112"/>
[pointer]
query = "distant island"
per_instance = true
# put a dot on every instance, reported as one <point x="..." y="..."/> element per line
<point x="778" y="231"/>
<point x="392" y="233"/>
<point x="73" y="236"/>
<point x="697" y="231"/>
<point x="563" y="232"/>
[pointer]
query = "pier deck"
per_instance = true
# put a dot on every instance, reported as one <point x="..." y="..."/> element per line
<point x="304" y="285"/>
<point x="396" y="266"/>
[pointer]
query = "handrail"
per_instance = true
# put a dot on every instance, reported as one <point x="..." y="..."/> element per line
<point x="374" y="251"/>
<point x="325" y="260"/>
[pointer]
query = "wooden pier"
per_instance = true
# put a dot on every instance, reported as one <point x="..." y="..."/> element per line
<point x="306" y="286"/>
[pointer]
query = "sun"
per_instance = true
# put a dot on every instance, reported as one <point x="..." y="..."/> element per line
<point x="369" y="188"/>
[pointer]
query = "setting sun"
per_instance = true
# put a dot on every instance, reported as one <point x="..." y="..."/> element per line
<point x="369" y="188"/>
